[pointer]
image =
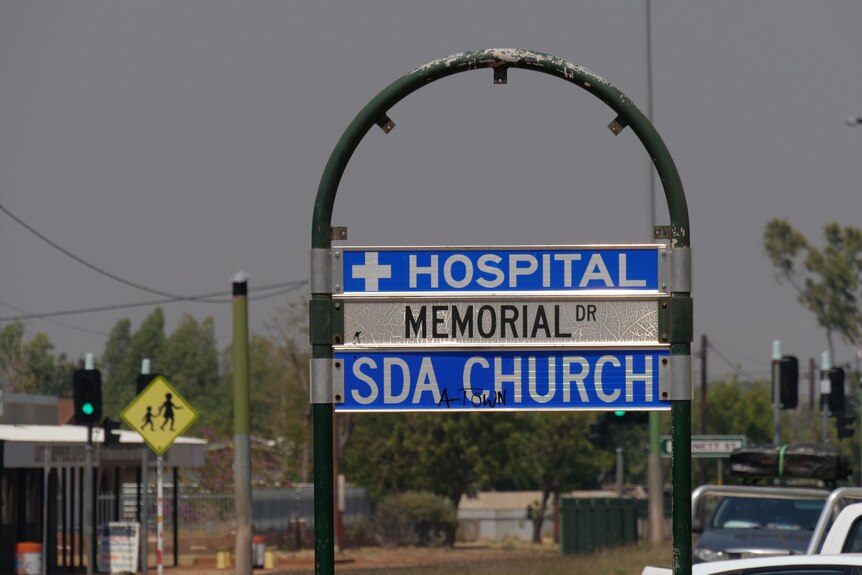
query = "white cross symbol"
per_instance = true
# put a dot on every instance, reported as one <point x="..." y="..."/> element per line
<point x="371" y="271"/>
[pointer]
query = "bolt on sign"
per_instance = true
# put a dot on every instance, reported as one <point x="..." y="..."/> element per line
<point x="518" y="327"/>
<point x="160" y="414"/>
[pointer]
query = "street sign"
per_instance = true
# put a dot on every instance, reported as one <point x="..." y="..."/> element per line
<point x="513" y="328"/>
<point x="159" y="414"/>
<point x="339" y="368"/>
<point x="707" y="446"/>
<point x="506" y="380"/>
<point x="613" y="269"/>
<point x="500" y="322"/>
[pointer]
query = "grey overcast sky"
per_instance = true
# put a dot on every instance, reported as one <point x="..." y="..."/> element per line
<point x="173" y="144"/>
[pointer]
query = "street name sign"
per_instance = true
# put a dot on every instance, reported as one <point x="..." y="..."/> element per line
<point x="505" y="328"/>
<point x="611" y="269"/>
<point x="159" y="414"/>
<point x="707" y="446"/>
<point x="524" y="321"/>
<point x="509" y="379"/>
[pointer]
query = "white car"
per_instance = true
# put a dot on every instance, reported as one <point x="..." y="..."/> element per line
<point x="844" y="564"/>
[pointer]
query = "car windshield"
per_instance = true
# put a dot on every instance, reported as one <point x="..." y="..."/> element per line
<point x="753" y="513"/>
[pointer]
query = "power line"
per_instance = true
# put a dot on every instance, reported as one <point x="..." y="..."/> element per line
<point x="55" y="322"/>
<point x="735" y="367"/>
<point x="740" y="354"/>
<point x="93" y="267"/>
<point x="283" y="288"/>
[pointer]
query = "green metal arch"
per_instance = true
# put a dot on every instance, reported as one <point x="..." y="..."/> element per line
<point x="374" y="113"/>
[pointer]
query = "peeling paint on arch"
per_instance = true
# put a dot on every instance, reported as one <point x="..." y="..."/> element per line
<point x="377" y="108"/>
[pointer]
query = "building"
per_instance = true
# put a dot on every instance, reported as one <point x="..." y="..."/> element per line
<point x="43" y="462"/>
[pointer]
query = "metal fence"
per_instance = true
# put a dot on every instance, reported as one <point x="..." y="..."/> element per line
<point x="274" y="511"/>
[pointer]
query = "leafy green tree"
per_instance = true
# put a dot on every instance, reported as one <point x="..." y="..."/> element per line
<point x="741" y="409"/>
<point x="451" y="454"/>
<point x="188" y="359"/>
<point x="560" y="458"/>
<point x="121" y="361"/>
<point x="39" y="366"/>
<point x="826" y="279"/>
<point x="64" y="369"/>
<point x="13" y="363"/>
<point x="28" y="366"/>
<point x="283" y="386"/>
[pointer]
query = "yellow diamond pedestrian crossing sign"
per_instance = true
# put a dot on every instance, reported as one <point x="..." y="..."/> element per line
<point x="159" y="414"/>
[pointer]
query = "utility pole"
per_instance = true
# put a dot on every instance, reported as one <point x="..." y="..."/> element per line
<point x="776" y="391"/>
<point x="144" y="487"/>
<point x="89" y="500"/>
<point x="619" y="479"/>
<point x="703" y="379"/>
<point x="654" y="480"/>
<point x="825" y="390"/>
<point x="776" y="395"/>
<point x="812" y="379"/>
<point x="241" y="439"/>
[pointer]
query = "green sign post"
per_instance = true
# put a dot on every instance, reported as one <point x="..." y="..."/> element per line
<point x="326" y="326"/>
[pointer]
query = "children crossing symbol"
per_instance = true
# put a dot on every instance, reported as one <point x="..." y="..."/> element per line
<point x="159" y="414"/>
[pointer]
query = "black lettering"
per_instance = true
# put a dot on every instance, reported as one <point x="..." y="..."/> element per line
<point x="462" y="324"/>
<point x="474" y="397"/>
<point x="500" y="397"/>
<point x="444" y="398"/>
<point x="591" y="312"/>
<point x="414" y="322"/>
<point x="480" y="321"/>
<point x="541" y="322"/>
<point x="557" y="332"/>
<point x="488" y="400"/>
<point x="524" y="318"/>
<point x="478" y="399"/>
<point x="438" y="321"/>
<point x="580" y="313"/>
<point x="505" y="319"/>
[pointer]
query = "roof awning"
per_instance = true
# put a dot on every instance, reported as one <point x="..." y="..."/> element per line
<point x="28" y="446"/>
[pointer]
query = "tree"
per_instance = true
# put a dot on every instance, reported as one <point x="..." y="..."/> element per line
<point x="39" y="366"/>
<point x="13" y="363"/>
<point x="121" y="360"/>
<point x="560" y="457"/>
<point x="741" y="409"/>
<point x="188" y="359"/>
<point x="826" y="279"/>
<point x="28" y="366"/>
<point x="282" y="384"/>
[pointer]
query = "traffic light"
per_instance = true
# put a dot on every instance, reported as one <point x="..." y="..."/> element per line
<point x="108" y="435"/>
<point x="87" y="388"/>
<point x="620" y="417"/>
<point x="144" y="380"/>
<point x="844" y="424"/>
<point x="789" y="382"/>
<point x="836" y="394"/>
<point x="599" y="434"/>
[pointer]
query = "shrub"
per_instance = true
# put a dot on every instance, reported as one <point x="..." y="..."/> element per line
<point x="414" y="518"/>
<point x="360" y="533"/>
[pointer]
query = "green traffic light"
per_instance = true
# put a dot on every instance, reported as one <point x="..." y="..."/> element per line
<point x="619" y="413"/>
<point x="87" y="408"/>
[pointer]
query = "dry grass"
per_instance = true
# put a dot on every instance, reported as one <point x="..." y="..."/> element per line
<point x="523" y="559"/>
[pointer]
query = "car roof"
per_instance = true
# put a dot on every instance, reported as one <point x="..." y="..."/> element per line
<point x="734" y="565"/>
<point x="717" y="567"/>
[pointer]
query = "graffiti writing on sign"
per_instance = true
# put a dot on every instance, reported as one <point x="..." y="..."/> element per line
<point x="472" y="397"/>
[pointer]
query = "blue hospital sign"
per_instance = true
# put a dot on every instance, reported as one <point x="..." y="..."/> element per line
<point x="466" y="380"/>
<point x="484" y="270"/>
<point x="461" y="328"/>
